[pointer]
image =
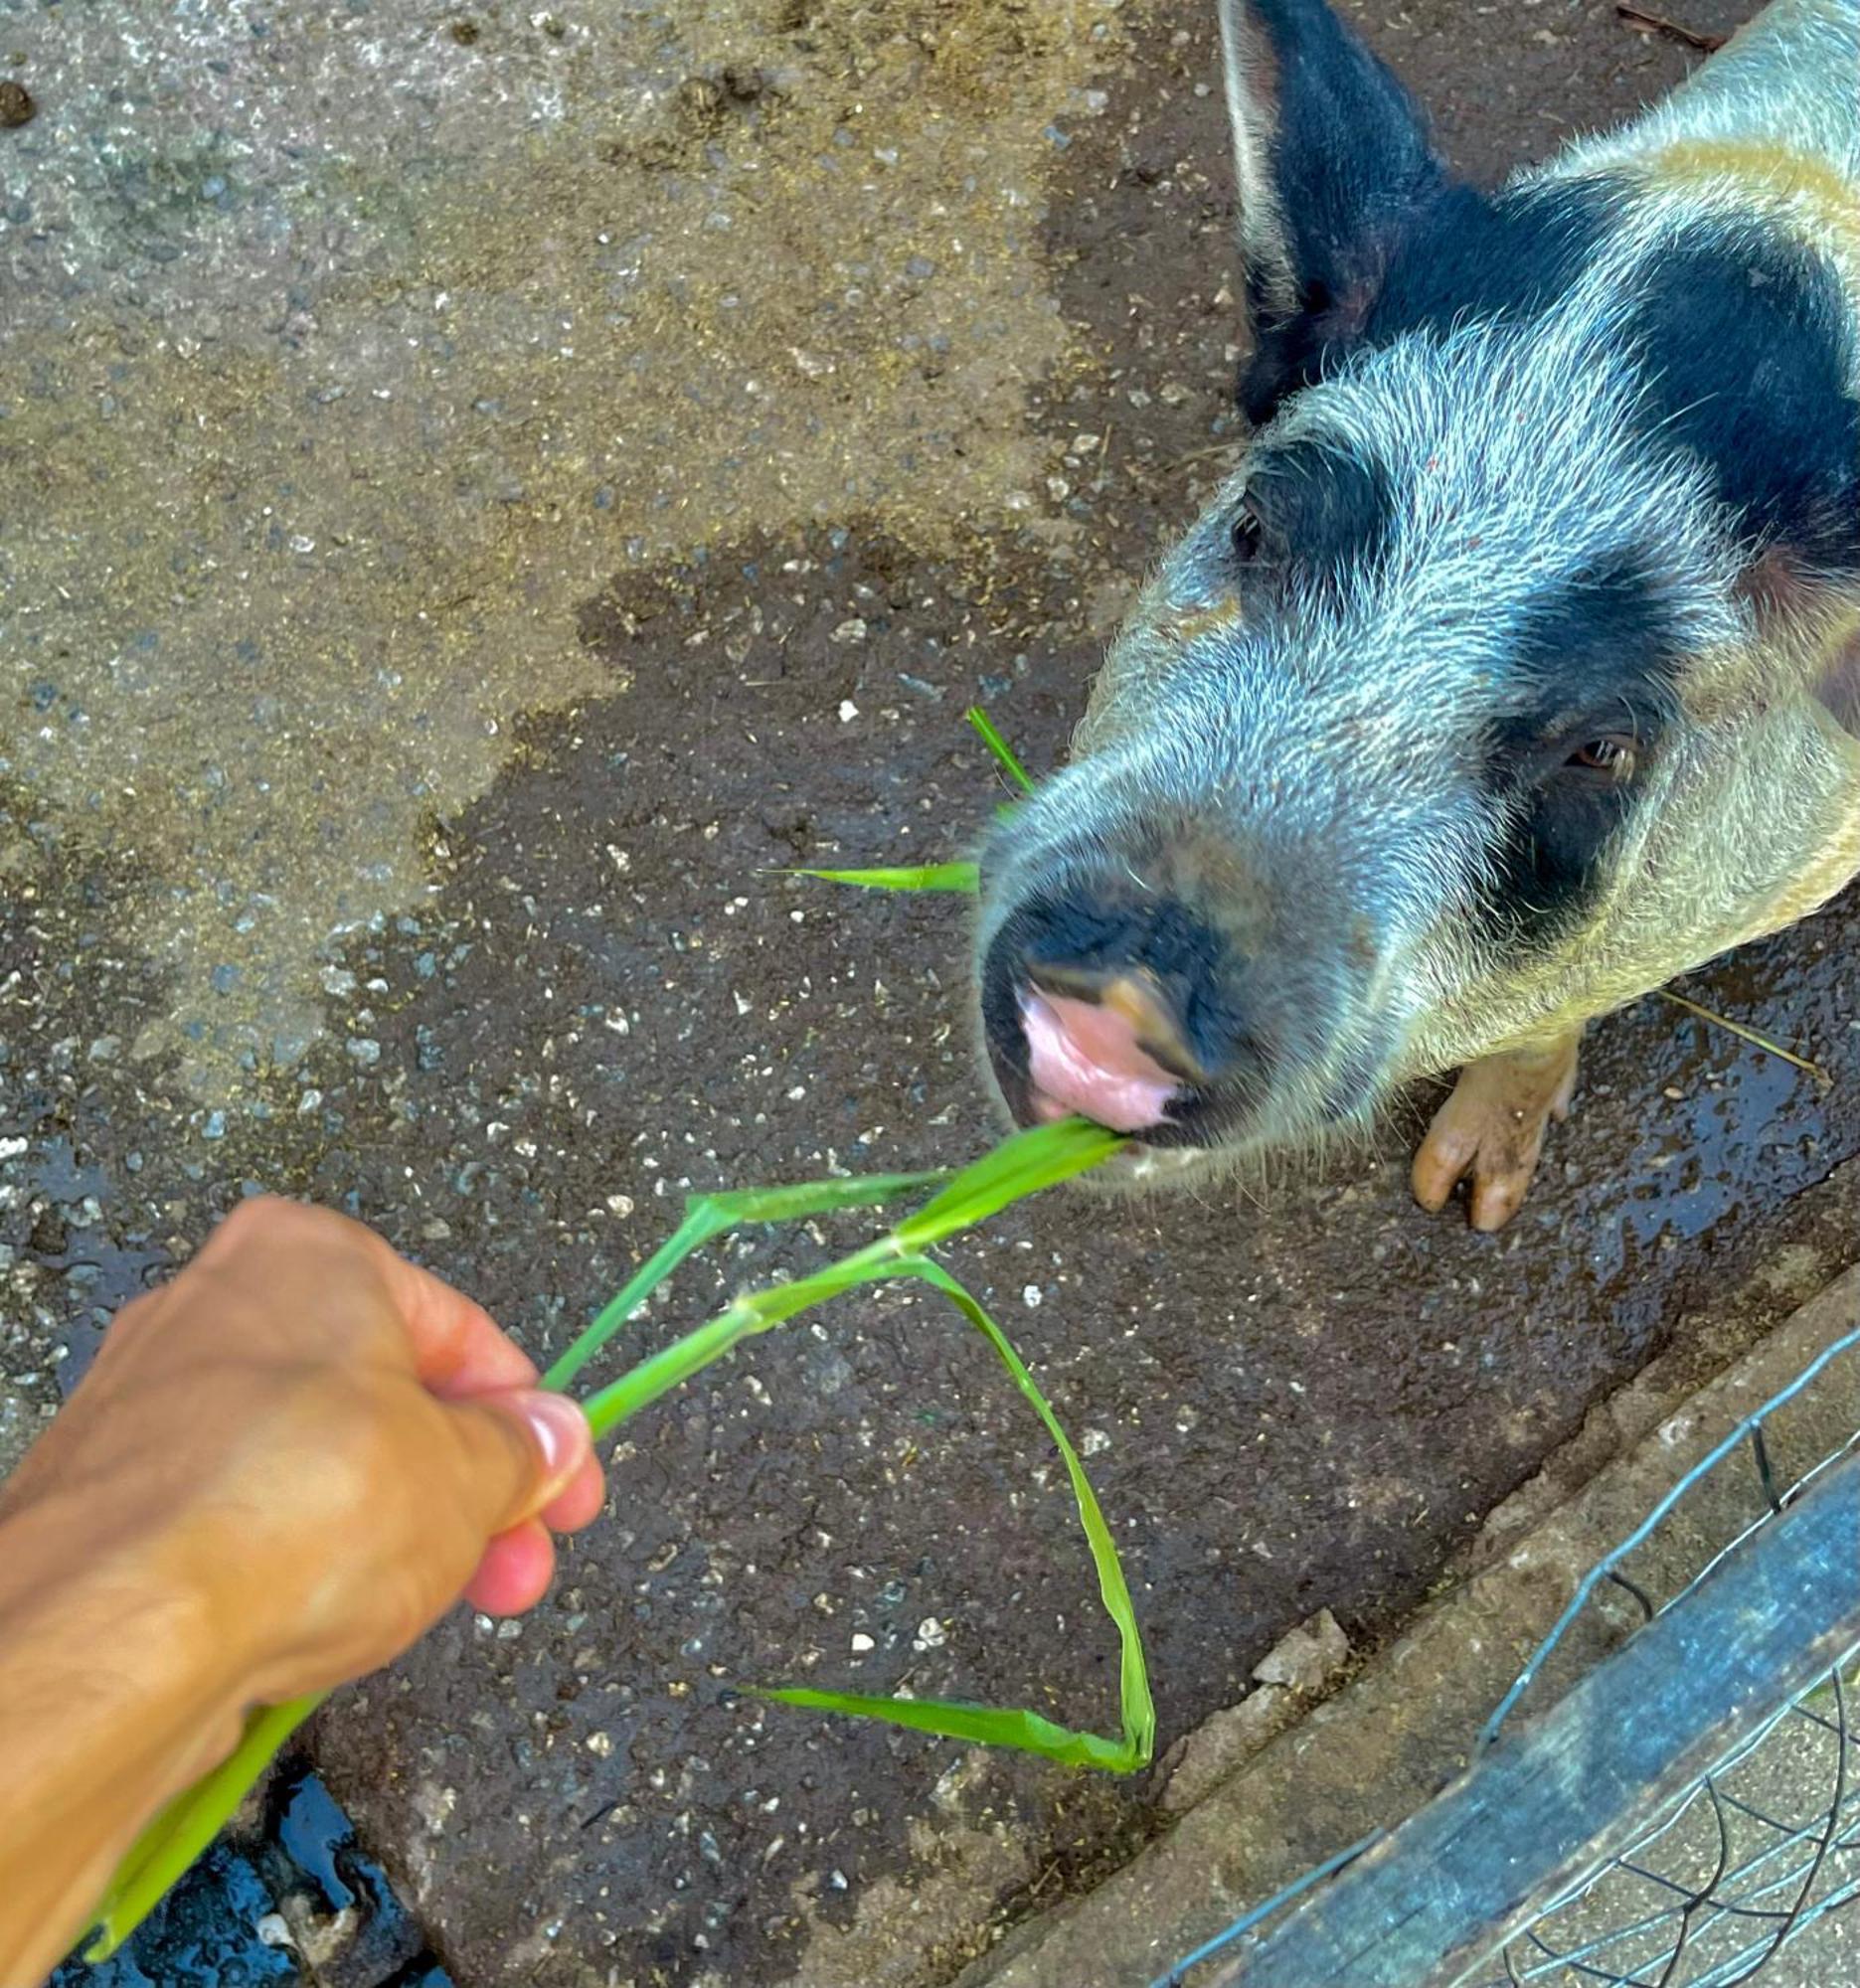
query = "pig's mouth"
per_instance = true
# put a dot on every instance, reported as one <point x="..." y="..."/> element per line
<point x="1085" y="1059"/>
<point x="1055" y="1053"/>
<point x="1080" y="1061"/>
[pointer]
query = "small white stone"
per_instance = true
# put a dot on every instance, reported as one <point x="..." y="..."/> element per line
<point x="1030" y="1296"/>
<point x="601" y="1744"/>
<point x="862" y="1643"/>
<point x="932" y="1634"/>
<point x="848" y="710"/>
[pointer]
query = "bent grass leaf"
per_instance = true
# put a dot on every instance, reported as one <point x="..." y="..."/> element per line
<point x="1027" y="1731"/>
<point x="1135" y="1703"/>
<point x="1020" y="1165"/>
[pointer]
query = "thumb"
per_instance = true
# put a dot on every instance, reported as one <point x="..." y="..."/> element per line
<point x="522" y="1449"/>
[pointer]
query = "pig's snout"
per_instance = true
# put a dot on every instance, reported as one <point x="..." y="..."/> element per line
<point x="1124" y="1016"/>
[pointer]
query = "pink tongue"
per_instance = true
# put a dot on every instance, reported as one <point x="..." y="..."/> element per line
<point x="1085" y="1059"/>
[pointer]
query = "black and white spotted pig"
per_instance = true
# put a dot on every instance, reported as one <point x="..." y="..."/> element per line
<point x="1516" y="669"/>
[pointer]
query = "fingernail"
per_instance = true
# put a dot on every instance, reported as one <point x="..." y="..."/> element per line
<point x="561" y="1433"/>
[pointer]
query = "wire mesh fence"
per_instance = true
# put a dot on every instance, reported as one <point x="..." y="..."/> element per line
<point x="1765" y="1845"/>
<point x="1669" y="1794"/>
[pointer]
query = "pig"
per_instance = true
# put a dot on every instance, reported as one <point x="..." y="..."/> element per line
<point x="1516" y="667"/>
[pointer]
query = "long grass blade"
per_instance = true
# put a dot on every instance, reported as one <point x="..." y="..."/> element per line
<point x="999" y="747"/>
<point x="1021" y="1166"/>
<point x="962" y="877"/>
<point x="167" y="1848"/>
<point x="1038" y="1157"/>
<point x="707" y="1215"/>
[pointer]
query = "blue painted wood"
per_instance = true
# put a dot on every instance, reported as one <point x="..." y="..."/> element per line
<point x="1547" y="1807"/>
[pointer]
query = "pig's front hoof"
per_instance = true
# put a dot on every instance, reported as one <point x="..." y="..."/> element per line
<point x="1492" y="1130"/>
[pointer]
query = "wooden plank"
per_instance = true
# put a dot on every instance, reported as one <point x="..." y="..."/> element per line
<point x="1549" y="1806"/>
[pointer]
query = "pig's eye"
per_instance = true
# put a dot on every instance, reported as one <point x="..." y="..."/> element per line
<point x="1245" y="533"/>
<point x="1613" y="756"/>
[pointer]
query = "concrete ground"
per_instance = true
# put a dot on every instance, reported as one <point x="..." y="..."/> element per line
<point x="487" y="489"/>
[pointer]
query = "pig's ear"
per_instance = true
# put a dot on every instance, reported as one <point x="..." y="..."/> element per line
<point x="1331" y="161"/>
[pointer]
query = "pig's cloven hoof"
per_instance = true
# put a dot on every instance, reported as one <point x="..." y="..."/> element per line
<point x="1492" y="1130"/>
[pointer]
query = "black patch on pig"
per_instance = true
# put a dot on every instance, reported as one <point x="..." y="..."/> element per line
<point x="1350" y="150"/>
<point x="1742" y="338"/>
<point x="1320" y="515"/>
<point x="1458" y="257"/>
<point x="1595" y="656"/>
<point x="1603" y="637"/>
<point x="1471" y="257"/>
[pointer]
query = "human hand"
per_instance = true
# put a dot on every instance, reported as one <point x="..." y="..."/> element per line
<point x="323" y="1442"/>
<point x="283" y="1467"/>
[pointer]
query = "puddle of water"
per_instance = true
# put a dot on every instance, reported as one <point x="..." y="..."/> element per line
<point x="204" y="1934"/>
<point x="73" y="1237"/>
<point x="314" y="1831"/>
<point x="222" y="1925"/>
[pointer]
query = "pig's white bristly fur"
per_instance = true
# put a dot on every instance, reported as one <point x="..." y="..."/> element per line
<point x="1535" y="473"/>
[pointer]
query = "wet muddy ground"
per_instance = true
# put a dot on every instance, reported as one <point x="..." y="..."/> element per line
<point x="442" y="882"/>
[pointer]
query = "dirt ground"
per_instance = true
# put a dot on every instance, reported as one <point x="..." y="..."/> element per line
<point x="484" y="493"/>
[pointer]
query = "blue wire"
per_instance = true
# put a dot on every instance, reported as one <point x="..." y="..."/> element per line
<point x="1600" y="1572"/>
<point x="1489" y="1732"/>
<point x="1245" y="1924"/>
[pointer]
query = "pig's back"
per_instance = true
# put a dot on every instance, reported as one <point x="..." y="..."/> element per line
<point x="1771" y="125"/>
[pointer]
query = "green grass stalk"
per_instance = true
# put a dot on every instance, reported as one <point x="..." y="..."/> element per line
<point x="1022" y="1165"/>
